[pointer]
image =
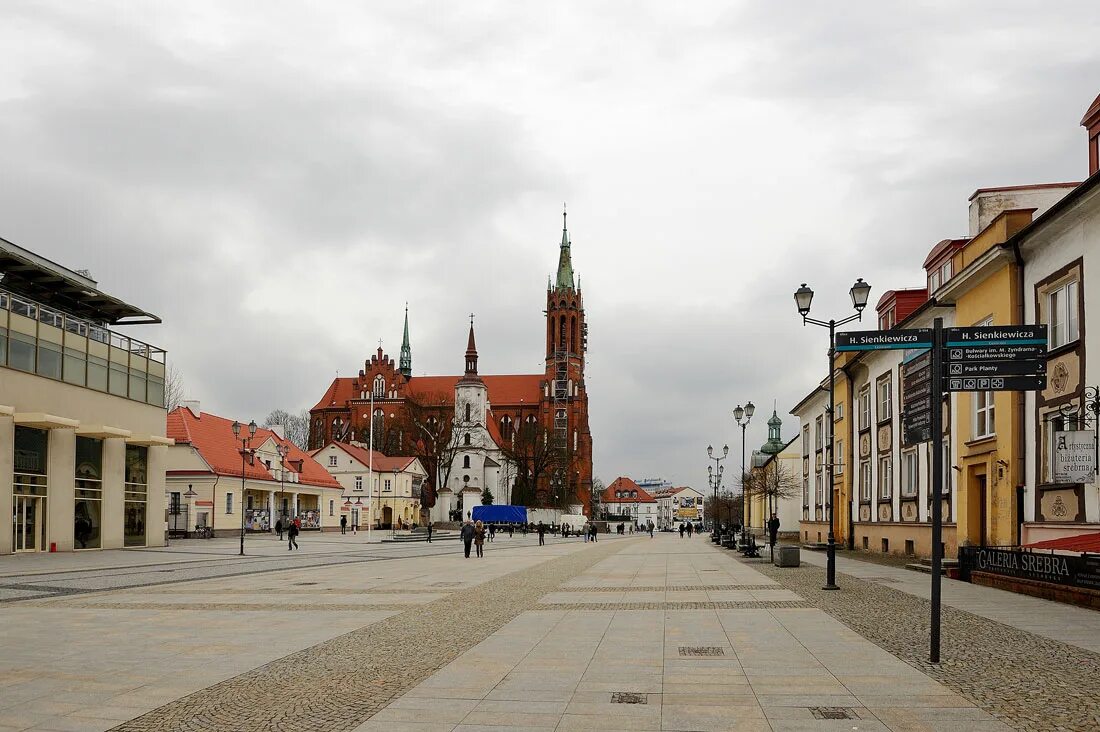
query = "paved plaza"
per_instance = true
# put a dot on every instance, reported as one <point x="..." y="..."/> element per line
<point x="626" y="634"/>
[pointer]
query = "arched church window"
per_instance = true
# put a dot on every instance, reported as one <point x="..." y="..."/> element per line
<point x="379" y="387"/>
<point x="465" y="461"/>
<point x="466" y="439"/>
<point x="467" y="411"/>
<point x="573" y="334"/>
<point x="561" y="334"/>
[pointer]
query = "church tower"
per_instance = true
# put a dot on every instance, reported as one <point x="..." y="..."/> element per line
<point x="566" y="344"/>
<point x="406" y="367"/>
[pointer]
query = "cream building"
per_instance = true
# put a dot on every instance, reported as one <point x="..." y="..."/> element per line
<point x="376" y="489"/>
<point x="82" y="445"/>
<point x="212" y="485"/>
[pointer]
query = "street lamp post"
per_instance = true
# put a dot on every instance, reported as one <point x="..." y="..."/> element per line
<point x="283" y="449"/>
<point x="803" y="296"/>
<point x="744" y="413"/>
<point x="715" y="479"/>
<point x="190" y="496"/>
<point x="246" y="450"/>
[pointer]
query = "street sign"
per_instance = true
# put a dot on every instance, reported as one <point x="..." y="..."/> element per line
<point x="880" y="340"/>
<point x="997" y="335"/>
<point x="995" y="368"/>
<point x="997" y="383"/>
<point x="996" y="353"/>
<point x="916" y="398"/>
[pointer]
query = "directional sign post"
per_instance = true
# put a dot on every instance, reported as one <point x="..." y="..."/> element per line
<point x="916" y="398"/>
<point x="880" y="340"/>
<point x="996" y="358"/>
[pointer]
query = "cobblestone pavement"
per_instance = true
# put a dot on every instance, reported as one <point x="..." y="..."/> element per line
<point x="338" y="684"/>
<point x="1028" y="681"/>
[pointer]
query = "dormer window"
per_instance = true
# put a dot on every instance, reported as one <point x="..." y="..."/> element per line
<point x="934" y="281"/>
<point x="886" y="319"/>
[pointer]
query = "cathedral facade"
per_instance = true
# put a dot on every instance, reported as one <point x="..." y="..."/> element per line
<point x="525" y="437"/>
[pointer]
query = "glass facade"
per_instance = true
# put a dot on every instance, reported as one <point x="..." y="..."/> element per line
<point x="43" y="341"/>
<point x="29" y="489"/>
<point x="136" y="495"/>
<point x="87" y="521"/>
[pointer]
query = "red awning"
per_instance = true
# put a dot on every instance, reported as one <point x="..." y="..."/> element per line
<point x="1080" y="543"/>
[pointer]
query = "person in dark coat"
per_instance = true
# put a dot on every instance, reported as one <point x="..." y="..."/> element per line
<point x="467" y="537"/>
<point x="681" y="531"/>
<point x="479" y="538"/>
<point x="691" y="530"/>
<point x="429" y="531"/>
<point x="343" y="524"/>
<point x="773" y="529"/>
<point x="279" y="528"/>
<point x="542" y="533"/>
<point x="292" y="536"/>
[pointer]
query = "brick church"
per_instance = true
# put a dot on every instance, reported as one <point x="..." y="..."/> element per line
<point x="524" y="435"/>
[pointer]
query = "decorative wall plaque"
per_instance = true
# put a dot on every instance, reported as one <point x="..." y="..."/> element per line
<point x="909" y="511"/>
<point x="1059" y="505"/>
<point x="864" y="445"/>
<point x="864" y="513"/>
<point x="885" y="512"/>
<point x="885" y="435"/>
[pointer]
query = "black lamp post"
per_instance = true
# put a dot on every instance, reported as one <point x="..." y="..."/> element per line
<point x="803" y="296"/>
<point x="190" y="496"/>
<point x="715" y="479"/>
<point x="744" y="413"/>
<point x="283" y="449"/>
<point x="246" y="451"/>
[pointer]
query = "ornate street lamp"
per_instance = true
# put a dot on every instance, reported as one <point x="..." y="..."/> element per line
<point x="246" y="451"/>
<point x="715" y="479"/>
<point x="743" y="415"/>
<point x="803" y="296"/>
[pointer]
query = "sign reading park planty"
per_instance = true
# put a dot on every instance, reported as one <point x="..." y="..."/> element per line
<point x="881" y="340"/>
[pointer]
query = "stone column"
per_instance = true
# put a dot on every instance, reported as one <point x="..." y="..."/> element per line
<point x="155" y="500"/>
<point x="293" y="505"/>
<point x="112" y="507"/>
<point x="61" y="494"/>
<point x="7" y="478"/>
<point x="271" y="511"/>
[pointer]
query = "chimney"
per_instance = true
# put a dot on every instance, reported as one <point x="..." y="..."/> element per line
<point x="277" y="429"/>
<point x="194" y="406"/>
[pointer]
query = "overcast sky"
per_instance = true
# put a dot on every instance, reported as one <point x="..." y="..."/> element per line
<point x="276" y="180"/>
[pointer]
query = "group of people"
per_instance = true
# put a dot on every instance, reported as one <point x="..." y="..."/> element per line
<point x="473" y="535"/>
<point x="687" y="528"/>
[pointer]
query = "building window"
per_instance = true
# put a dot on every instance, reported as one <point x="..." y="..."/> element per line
<point x="885" y="398"/>
<point x="332" y="508"/>
<point x="379" y="387"/>
<point x="886" y="320"/>
<point x="983" y="423"/>
<point x="819" y="489"/>
<point x="466" y="439"/>
<point x="933" y="282"/>
<point x="135" y="495"/>
<point x="387" y="485"/>
<point x="910" y="474"/>
<point x="1062" y="315"/>
<point x="805" y="491"/>
<point x="885" y="477"/>
<point x="945" y="271"/>
<point x="838" y="458"/>
<point x="865" y="480"/>
<point x="465" y="461"/>
<point x="89" y="493"/>
<point x="806" y="439"/>
<point x="229" y="503"/>
<point x="332" y="461"/>
<point x="358" y="482"/>
<point x="819" y="440"/>
<point x="838" y="411"/>
<point x="865" y="407"/>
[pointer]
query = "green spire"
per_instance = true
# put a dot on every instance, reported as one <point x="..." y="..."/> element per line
<point x="565" y="262"/>
<point x="774" y="445"/>
<point x="406" y="350"/>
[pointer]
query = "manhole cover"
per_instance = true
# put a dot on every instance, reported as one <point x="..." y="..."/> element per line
<point x="702" y="651"/>
<point x="834" y="713"/>
<point x="628" y="697"/>
<point x="304" y="584"/>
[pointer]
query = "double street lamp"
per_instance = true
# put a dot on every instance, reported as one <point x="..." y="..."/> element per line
<point x="744" y="413"/>
<point x="714" y="479"/>
<point x="803" y="296"/>
<point x="246" y="452"/>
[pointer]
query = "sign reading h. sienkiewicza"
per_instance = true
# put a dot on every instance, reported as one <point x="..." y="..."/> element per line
<point x="881" y="340"/>
<point x="997" y="335"/>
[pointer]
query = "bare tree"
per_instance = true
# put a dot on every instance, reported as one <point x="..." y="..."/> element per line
<point x="726" y="510"/>
<point x="425" y="429"/>
<point x="173" y="387"/>
<point x="295" y="426"/>
<point x="774" y="482"/>
<point x="596" y="499"/>
<point x="543" y="466"/>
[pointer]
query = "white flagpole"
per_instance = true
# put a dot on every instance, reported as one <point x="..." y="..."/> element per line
<point x="370" y="468"/>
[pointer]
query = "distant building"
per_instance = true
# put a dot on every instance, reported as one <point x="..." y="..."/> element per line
<point x="625" y="500"/>
<point x="678" y="505"/>
<point x="377" y="490"/>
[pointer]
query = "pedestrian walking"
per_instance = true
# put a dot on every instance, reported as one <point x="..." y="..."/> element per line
<point x="511" y="530"/>
<point x="292" y="536"/>
<point x="681" y="531"/>
<point x="429" y="532"/>
<point x="595" y="532"/>
<point x="492" y="532"/>
<point x="773" y="531"/>
<point x="691" y="530"/>
<point x="542" y="533"/>
<point x="479" y="539"/>
<point x="650" y="525"/>
<point x="343" y="524"/>
<point x="467" y="537"/>
<point x="279" y="529"/>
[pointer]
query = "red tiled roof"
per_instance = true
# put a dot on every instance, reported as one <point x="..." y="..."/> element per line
<point x="627" y="486"/>
<point x="213" y="437"/>
<point x="494" y="429"/>
<point x="504" y="390"/>
<point x="381" y="463"/>
<point x="1080" y="543"/>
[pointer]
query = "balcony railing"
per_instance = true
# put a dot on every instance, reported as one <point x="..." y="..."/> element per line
<point x="42" y="340"/>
